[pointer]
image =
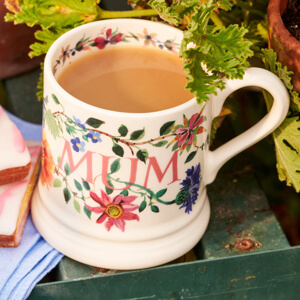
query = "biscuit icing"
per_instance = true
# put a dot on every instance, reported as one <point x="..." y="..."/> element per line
<point x="13" y="150"/>
<point x="11" y="196"/>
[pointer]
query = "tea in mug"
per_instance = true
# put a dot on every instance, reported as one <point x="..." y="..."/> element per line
<point x="127" y="79"/>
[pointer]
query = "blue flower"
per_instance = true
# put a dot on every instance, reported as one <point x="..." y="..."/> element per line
<point x="78" y="145"/>
<point x="78" y="122"/>
<point x="94" y="136"/>
<point x="190" y="186"/>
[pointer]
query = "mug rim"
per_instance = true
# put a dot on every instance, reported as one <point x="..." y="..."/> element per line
<point x="53" y="82"/>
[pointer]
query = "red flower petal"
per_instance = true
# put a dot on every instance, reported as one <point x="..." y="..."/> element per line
<point x="108" y="33"/>
<point x="198" y="122"/>
<point x="101" y="219"/>
<point x="116" y="39"/>
<point x="181" y="130"/>
<point x="191" y="139"/>
<point x="120" y="223"/>
<point x="100" y="42"/>
<point x="109" y="223"/>
<point x="118" y="199"/>
<point x="192" y="120"/>
<point x="130" y="216"/>
<point x="129" y="207"/>
<point x="97" y="210"/>
<point x="128" y="199"/>
<point x="105" y="198"/>
<point x="182" y="139"/>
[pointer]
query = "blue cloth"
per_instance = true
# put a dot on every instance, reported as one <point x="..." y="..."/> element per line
<point x="21" y="268"/>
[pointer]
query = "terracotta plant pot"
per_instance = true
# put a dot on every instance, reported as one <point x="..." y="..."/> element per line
<point x="14" y="42"/>
<point x="282" y="42"/>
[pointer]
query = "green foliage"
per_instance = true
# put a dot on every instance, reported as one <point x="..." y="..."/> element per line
<point x="209" y="51"/>
<point x="54" y="17"/>
<point x="287" y="135"/>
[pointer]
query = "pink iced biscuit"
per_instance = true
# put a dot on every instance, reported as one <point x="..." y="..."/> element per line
<point x="14" y="155"/>
<point x="15" y="202"/>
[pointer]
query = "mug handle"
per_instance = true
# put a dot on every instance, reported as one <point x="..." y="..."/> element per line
<point x="252" y="77"/>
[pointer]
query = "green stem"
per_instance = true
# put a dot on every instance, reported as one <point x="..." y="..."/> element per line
<point x="105" y="14"/>
<point x="151" y="193"/>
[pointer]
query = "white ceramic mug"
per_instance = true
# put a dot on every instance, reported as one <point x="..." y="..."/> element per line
<point x="128" y="190"/>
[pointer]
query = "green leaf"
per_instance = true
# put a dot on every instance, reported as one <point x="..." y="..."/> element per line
<point x="137" y="135"/>
<point x="78" y="185"/>
<point x="216" y="50"/>
<point x="190" y="156"/>
<point x="125" y="193"/>
<point x="67" y="194"/>
<point x="85" y="138"/>
<point x="142" y="206"/>
<point x="57" y="182"/>
<point x="108" y="190"/>
<point x="142" y="155"/>
<point x="85" y="184"/>
<point x="287" y="135"/>
<point x="76" y="205"/>
<point x="67" y="169"/>
<point x="123" y="130"/>
<point x="55" y="99"/>
<point x="115" y="166"/>
<point x="93" y="122"/>
<point x="161" y="192"/>
<point x="52" y="124"/>
<point x="87" y="212"/>
<point x="269" y="57"/>
<point x="154" y="208"/>
<point x="166" y="128"/>
<point x="175" y="13"/>
<point x="287" y="142"/>
<point x="118" y="150"/>
<point x="160" y="143"/>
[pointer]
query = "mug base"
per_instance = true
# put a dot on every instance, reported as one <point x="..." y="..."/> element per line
<point x="113" y="254"/>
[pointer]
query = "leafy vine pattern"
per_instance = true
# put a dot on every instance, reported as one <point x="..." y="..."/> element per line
<point x="116" y="210"/>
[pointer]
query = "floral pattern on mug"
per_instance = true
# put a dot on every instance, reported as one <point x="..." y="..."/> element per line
<point x="116" y="210"/>
<point x="190" y="186"/>
<point x="112" y="37"/>
<point x="47" y="164"/>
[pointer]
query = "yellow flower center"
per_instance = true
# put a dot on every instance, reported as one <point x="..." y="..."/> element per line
<point x="78" y="145"/>
<point x="94" y="137"/>
<point x="114" y="211"/>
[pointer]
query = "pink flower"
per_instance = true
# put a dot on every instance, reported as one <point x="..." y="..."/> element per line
<point x="115" y="211"/>
<point x="187" y="133"/>
<point x="102" y="41"/>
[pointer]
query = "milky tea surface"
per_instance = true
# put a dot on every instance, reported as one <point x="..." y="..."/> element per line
<point x="127" y="79"/>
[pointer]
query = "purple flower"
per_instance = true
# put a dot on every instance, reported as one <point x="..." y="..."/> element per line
<point x="78" y="145"/>
<point x="190" y="186"/>
<point x="94" y="136"/>
<point x="78" y="122"/>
